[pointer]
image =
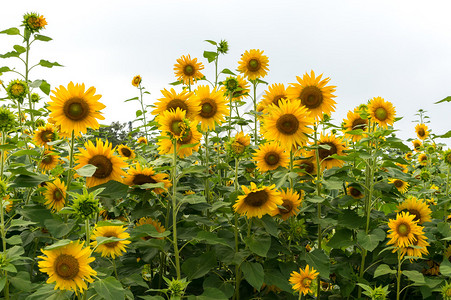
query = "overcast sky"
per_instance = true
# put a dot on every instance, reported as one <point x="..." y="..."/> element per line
<point x="399" y="50"/>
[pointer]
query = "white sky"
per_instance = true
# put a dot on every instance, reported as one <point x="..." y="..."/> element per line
<point x="399" y="50"/>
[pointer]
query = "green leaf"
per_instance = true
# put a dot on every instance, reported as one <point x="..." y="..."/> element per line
<point x="26" y="152"/>
<point x="132" y="99"/>
<point x="47" y="64"/>
<point x="193" y="199"/>
<point x="447" y="99"/>
<point x="10" y="54"/>
<point x="148" y="230"/>
<point x="315" y="199"/>
<point x="209" y="294"/>
<point x="270" y="225"/>
<point x="21" y="281"/>
<point x="341" y="238"/>
<point x="4" y="69"/>
<point x="29" y="180"/>
<point x="109" y="288"/>
<point x="21" y="223"/>
<point x="215" y="282"/>
<point x="194" y="170"/>
<point x="211" y="239"/>
<point x="350" y="219"/>
<point x="445" y="135"/>
<point x="112" y="190"/>
<point x="196" y="267"/>
<point x="227" y="71"/>
<point x="48" y="292"/>
<point x="371" y="240"/>
<point x="87" y="170"/>
<point x="45" y="87"/>
<point x="254" y="274"/>
<point x="43" y="38"/>
<point x="333" y="184"/>
<point x="14" y="240"/>
<point x="212" y="42"/>
<point x="36" y="83"/>
<point x="19" y="49"/>
<point x="36" y="213"/>
<point x="2" y="282"/>
<point x="259" y="244"/>
<point x="59" y="228"/>
<point x="138" y="113"/>
<point x="211" y="56"/>
<point x="414" y="276"/>
<point x="382" y="270"/>
<point x="320" y="261"/>
<point x="59" y="244"/>
<point x="11" y="31"/>
<point x="445" y="268"/>
<point x="275" y="277"/>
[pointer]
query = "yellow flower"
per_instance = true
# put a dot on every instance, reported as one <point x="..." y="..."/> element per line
<point x="111" y="249"/>
<point x="253" y="64"/>
<point x="34" y="22"/>
<point x="173" y="100"/>
<point x="140" y="176"/>
<point x="238" y="87"/>
<point x="270" y="156"/>
<point x="68" y="266"/>
<point x="136" y="80"/>
<point x="126" y="152"/>
<point x="399" y="184"/>
<point x="355" y="191"/>
<point x="417" y="208"/>
<point x="257" y="201"/>
<point x="55" y="194"/>
<point x="239" y="143"/>
<point x="156" y="224"/>
<point x="447" y="157"/>
<point x="44" y="135"/>
<point x="422" y="131"/>
<point x="188" y="70"/>
<point x="307" y="165"/>
<point x="408" y="156"/>
<point x="423" y="159"/>
<point x="291" y="202"/>
<point x="382" y="112"/>
<point x="354" y="122"/>
<point x="74" y="109"/>
<point x="273" y="95"/>
<point x="213" y="107"/>
<point x="303" y="280"/>
<point x="142" y="140"/>
<point x="109" y="166"/>
<point x="403" y="230"/>
<point x="420" y="248"/>
<point x="49" y="161"/>
<point x="417" y="145"/>
<point x="330" y="145"/>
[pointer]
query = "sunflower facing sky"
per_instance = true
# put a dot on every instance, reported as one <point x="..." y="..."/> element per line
<point x="74" y="109"/>
<point x="399" y="184"/>
<point x="173" y="100"/>
<point x="109" y="166"/>
<point x="253" y="64"/>
<point x="288" y="124"/>
<point x="270" y="156"/>
<point x="329" y="145"/>
<point x="213" y="107"/>
<point x="257" y="201"/>
<point x="417" y="208"/>
<point x="55" y="194"/>
<point x="140" y="176"/>
<point x="403" y="230"/>
<point x="45" y="134"/>
<point x="354" y="122"/>
<point x="314" y="94"/>
<point x="188" y="70"/>
<point x="302" y="280"/>
<point x="291" y="202"/>
<point x="68" y="266"/>
<point x="422" y="131"/>
<point x="382" y="112"/>
<point x="111" y="249"/>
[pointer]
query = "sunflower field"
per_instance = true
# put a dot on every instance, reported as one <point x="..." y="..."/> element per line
<point x="224" y="195"/>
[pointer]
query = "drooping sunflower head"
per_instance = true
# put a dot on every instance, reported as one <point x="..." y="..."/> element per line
<point x="288" y="124"/>
<point x="7" y="120"/>
<point x="354" y="122"/>
<point x="257" y="201"/>
<point x="48" y="161"/>
<point x="212" y="107"/>
<point x="126" y="152"/>
<point x="237" y="87"/>
<point x="109" y="166"/>
<point x="273" y="95"/>
<point x="422" y="131"/>
<point x="238" y="145"/>
<point x="188" y="70"/>
<point x="136" y="81"/>
<point x="173" y="100"/>
<point x="403" y="230"/>
<point x="303" y="280"/>
<point x="355" y="191"/>
<point x="75" y="109"/>
<point x="416" y="207"/>
<point x="314" y="94"/>
<point x="291" y="202"/>
<point x="382" y="112"/>
<point x="17" y="90"/>
<point x="139" y="176"/>
<point x="423" y="159"/>
<point x="447" y="157"/>
<point x="55" y="194"/>
<point x="399" y="184"/>
<point x="45" y="134"/>
<point x="86" y="205"/>
<point x="111" y="249"/>
<point x="142" y="140"/>
<point x="156" y="224"/>
<point x="329" y="145"/>
<point x="68" y="266"/>
<point x="417" y="145"/>
<point x="34" y="22"/>
<point x="270" y="156"/>
<point x="253" y="64"/>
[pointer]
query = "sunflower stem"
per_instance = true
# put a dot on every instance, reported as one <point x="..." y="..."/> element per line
<point x="445" y="211"/>
<point x="71" y="160"/>
<point x="115" y="268"/>
<point x="87" y="230"/>
<point x="318" y="192"/>
<point x="3" y="156"/>
<point x="174" y="209"/>
<point x="254" y="83"/>
<point x="207" y="165"/>
<point x="398" y="277"/>
<point x="2" y="220"/>
<point x="229" y="130"/>
<point x="143" y="110"/>
<point x="237" y="266"/>
<point x="27" y="52"/>
<point x="291" y="167"/>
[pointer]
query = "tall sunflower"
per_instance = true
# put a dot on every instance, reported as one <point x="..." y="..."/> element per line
<point x="126" y="152"/>
<point x="417" y="208"/>
<point x="140" y="176"/>
<point x="382" y="112"/>
<point x="48" y="161"/>
<point x="270" y="156"/>
<point x="288" y="124"/>
<point x="403" y="230"/>
<point x="188" y="70"/>
<point x="253" y="64"/>
<point x="423" y="159"/>
<point x="302" y="281"/>
<point x="109" y="166"/>
<point x="142" y="140"/>
<point x="399" y="184"/>
<point x="68" y="266"/>
<point x="136" y="81"/>
<point x="258" y="201"/>
<point x="330" y="145"/>
<point x="291" y="202"/>
<point x="420" y="248"/>
<point x="156" y="224"/>
<point x="239" y="144"/>
<point x="417" y="145"/>
<point x="74" y="109"/>
<point x="237" y="86"/>
<point x="422" y="131"/>
<point x="173" y="100"/>
<point x="111" y="249"/>
<point x="212" y="107"/>
<point x="273" y="95"/>
<point x="314" y="94"/>
<point x="192" y="138"/>
<point x="45" y="134"/>
<point x="55" y="194"/>
<point x="354" y="122"/>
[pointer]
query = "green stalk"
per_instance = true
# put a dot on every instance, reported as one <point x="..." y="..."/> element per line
<point x="318" y="192"/>
<point x="207" y="164"/>
<point x="174" y="209"/>
<point x="237" y="267"/>
<point x="445" y="208"/>
<point x="114" y="268"/>
<point x="26" y="80"/>
<point x="71" y="160"/>
<point x="398" y="277"/>
<point x="254" y="83"/>
<point x="142" y="109"/>
<point x="87" y="230"/>
<point x="2" y="221"/>
<point x="230" y="115"/>
<point x="291" y="167"/>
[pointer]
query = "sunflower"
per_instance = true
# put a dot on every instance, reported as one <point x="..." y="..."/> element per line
<point x="423" y="159"/>
<point x="273" y="95"/>
<point x="403" y="230"/>
<point x="45" y="134"/>
<point x="287" y="124"/>
<point x="416" y="207"/>
<point x="213" y="107"/>
<point x="313" y="94"/>
<point x="142" y="140"/>
<point x="156" y="224"/>
<point x="270" y="156"/>
<point x="49" y="161"/>
<point x="139" y="176"/>
<point x="417" y="145"/>
<point x="253" y="64"/>
<point x="303" y="280"/>
<point x="420" y="248"/>
<point x="399" y="184"/>
<point x="126" y="152"/>
<point x="307" y="166"/>
<point x="173" y="100"/>
<point x="191" y="138"/>
<point x="355" y="191"/>
<point x="136" y="80"/>
<point x="239" y="143"/>
<point x="382" y="112"/>
<point x="34" y="22"/>
<point x="111" y="249"/>
<point x="109" y="166"/>
<point x="408" y="156"/>
<point x="354" y="122"/>
<point x="238" y="87"/>
<point x="68" y="266"/>
<point x="55" y="194"/>
<point x="74" y="109"/>
<point x="291" y="201"/>
<point x="422" y="131"/>
<point x="188" y="70"/>
<point x="258" y="201"/>
<point x="329" y="145"/>
<point x="447" y="157"/>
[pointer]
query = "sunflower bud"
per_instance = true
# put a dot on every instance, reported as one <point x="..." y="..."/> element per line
<point x="223" y="47"/>
<point x="33" y="22"/>
<point x="447" y="157"/>
<point x="425" y="175"/>
<point x="7" y="120"/>
<point x="176" y="287"/>
<point x="378" y="293"/>
<point x="3" y="188"/>
<point x="40" y="123"/>
<point x="446" y="291"/>
<point x="35" y="98"/>
<point x="17" y="90"/>
<point x="86" y="206"/>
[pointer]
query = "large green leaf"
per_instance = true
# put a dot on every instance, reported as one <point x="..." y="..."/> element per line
<point x="414" y="276"/>
<point x="109" y="288"/>
<point x="259" y="244"/>
<point x="254" y="274"/>
<point x="209" y="294"/>
<point x="383" y="270"/>
<point x="11" y="31"/>
<point x="196" y="267"/>
<point x="320" y="261"/>
<point x="58" y="228"/>
<point x="341" y="238"/>
<point x="447" y="99"/>
<point x="371" y="240"/>
<point x="21" y="281"/>
<point x="445" y="268"/>
<point x="48" y="64"/>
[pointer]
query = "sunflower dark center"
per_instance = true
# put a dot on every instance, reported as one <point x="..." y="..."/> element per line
<point x="256" y="199"/>
<point x="189" y="70"/>
<point x="57" y="195"/>
<point x="381" y="114"/>
<point x="47" y="159"/>
<point x="423" y="158"/>
<point x="286" y="207"/>
<point x="176" y="127"/>
<point x="103" y="164"/>
<point x="325" y="153"/>
<point x="416" y="213"/>
<point x="110" y="244"/>
<point x="355" y="192"/>
<point x="66" y="266"/>
<point x="47" y="136"/>
<point x="253" y="65"/>
<point x="186" y="139"/>
<point x="142" y="179"/>
<point x="76" y="109"/>
<point x="232" y="84"/>
<point x="398" y="183"/>
<point x="276" y="99"/>
<point x="359" y="124"/>
<point x="173" y="104"/>
<point x="403" y="229"/>
<point x="272" y="158"/>
<point x="421" y="132"/>
<point x="126" y="152"/>
<point x="208" y="108"/>
<point x="287" y="124"/>
<point x="136" y="80"/>
<point x="311" y="97"/>
<point x="307" y="166"/>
